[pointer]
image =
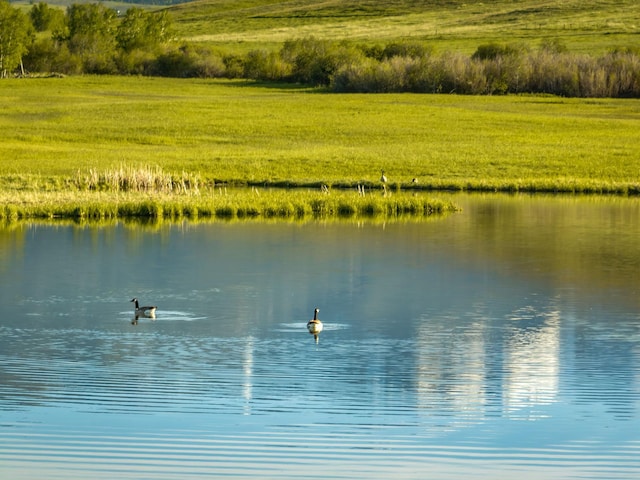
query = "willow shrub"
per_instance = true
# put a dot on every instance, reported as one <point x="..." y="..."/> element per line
<point x="492" y="69"/>
<point x="616" y="74"/>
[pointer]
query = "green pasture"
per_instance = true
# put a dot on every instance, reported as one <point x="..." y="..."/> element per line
<point x="231" y="132"/>
<point x="589" y="26"/>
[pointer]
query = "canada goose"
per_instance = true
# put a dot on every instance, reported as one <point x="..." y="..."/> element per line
<point x="383" y="178"/>
<point x="315" y="325"/>
<point x="148" y="311"/>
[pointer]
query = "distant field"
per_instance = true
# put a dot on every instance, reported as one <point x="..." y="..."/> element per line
<point x="239" y="132"/>
<point x="590" y="26"/>
<point x="583" y="25"/>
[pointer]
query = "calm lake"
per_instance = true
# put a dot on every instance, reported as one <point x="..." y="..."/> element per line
<point x="500" y="342"/>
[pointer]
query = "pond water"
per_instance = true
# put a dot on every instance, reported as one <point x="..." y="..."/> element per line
<point x="499" y="342"/>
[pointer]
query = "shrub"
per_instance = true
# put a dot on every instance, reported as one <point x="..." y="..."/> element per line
<point x="405" y="49"/>
<point x="174" y="63"/>
<point x="315" y="62"/>
<point x="47" y="55"/>
<point x="135" y="62"/>
<point x="263" y="65"/>
<point x="491" y="51"/>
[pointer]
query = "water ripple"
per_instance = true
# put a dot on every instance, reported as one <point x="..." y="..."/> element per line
<point x="324" y="451"/>
<point x="447" y="402"/>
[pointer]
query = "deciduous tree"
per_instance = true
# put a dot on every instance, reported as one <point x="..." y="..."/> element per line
<point x="141" y="29"/>
<point x="44" y="18"/>
<point x="15" y="37"/>
<point x="91" y="35"/>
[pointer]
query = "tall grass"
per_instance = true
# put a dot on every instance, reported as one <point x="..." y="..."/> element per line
<point x="128" y="178"/>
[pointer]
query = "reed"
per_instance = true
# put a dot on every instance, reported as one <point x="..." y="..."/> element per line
<point x="146" y="178"/>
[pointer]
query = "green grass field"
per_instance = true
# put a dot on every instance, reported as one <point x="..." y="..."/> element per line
<point x="241" y="133"/>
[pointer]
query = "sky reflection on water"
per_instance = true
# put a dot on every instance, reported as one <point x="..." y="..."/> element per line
<point x="501" y="341"/>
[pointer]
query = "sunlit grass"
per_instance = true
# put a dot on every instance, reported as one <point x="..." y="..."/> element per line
<point x="584" y="25"/>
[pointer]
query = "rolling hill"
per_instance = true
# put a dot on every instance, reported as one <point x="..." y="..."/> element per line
<point x="583" y="25"/>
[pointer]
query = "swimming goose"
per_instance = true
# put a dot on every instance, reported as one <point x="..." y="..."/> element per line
<point x="315" y="326"/>
<point x="148" y="311"/>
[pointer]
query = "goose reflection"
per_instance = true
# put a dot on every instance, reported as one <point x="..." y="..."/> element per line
<point x="315" y="325"/>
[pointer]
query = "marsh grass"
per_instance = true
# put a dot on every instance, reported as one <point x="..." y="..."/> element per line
<point x="216" y="203"/>
<point x="127" y="178"/>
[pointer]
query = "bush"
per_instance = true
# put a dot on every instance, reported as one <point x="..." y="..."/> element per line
<point x="263" y="65"/>
<point x="315" y="62"/>
<point x="47" y="55"/>
<point x="135" y="62"/>
<point x="405" y="49"/>
<point x="491" y="51"/>
<point x="174" y="63"/>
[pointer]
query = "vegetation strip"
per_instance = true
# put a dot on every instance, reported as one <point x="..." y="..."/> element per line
<point x="92" y="38"/>
<point x="220" y="203"/>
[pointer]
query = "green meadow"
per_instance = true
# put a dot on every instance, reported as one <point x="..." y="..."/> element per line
<point x="241" y="133"/>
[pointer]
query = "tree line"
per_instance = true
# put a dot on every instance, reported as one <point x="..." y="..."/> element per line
<point x="91" y="38"/>
<point x="87" y="38"/>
